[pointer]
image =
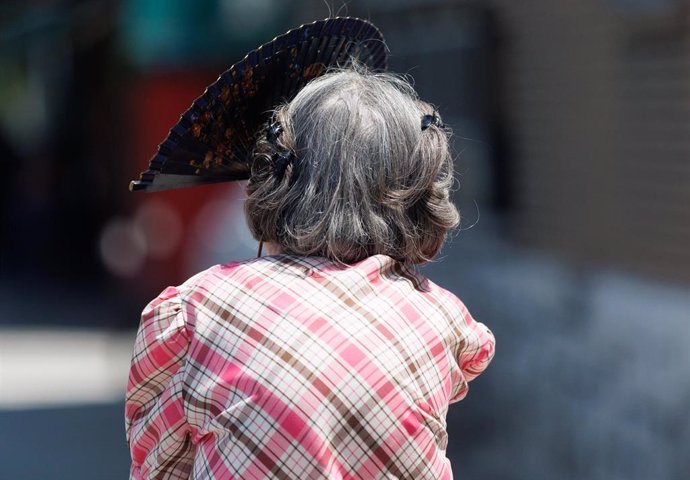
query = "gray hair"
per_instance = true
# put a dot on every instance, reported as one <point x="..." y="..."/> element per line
<point x="364" y="178"/>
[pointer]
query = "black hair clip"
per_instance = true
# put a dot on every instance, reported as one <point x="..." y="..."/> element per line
<point x="433" y="119"/>
<point x="280" y="162"/>
<point x="282" y="157"/>
<point x="273" y="132"/>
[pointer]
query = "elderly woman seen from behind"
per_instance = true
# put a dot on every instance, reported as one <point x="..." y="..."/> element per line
<point x="331" y="358"/>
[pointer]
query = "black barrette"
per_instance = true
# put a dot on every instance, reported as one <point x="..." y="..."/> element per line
<point x="281" y="160"/>
<point x="433" y="119"/>
<point x="283" y="156"/>
<point x="273" y="132"/>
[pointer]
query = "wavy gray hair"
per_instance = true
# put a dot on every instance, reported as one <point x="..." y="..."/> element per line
<point x="364" y="178"/>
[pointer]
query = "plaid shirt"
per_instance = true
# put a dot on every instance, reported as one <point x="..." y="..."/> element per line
<point x="289" y="367"/>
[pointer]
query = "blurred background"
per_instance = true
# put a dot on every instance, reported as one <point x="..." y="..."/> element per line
<point x="572" y="133"/>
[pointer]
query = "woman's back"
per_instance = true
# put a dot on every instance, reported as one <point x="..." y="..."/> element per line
<point x="299" y="367"/>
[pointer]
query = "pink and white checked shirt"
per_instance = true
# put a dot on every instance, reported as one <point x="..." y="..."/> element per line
<point x="290" y="367"/>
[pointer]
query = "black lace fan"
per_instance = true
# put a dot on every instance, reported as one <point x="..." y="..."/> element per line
<point x="213" y="140"/>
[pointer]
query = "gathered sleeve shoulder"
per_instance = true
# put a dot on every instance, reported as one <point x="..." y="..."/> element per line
<point x="475" y="348"/>
<point x="157" y="432"/>
<point x="478" y="349"/>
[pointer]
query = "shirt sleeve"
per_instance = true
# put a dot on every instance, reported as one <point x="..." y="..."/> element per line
<point x="476" y="349"/>
<point x="157" y="432"/>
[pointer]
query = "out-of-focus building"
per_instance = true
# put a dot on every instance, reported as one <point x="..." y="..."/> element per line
<point x="598" y="104"/>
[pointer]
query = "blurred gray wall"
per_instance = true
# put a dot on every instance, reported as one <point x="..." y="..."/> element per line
<point x="598" y="105"/>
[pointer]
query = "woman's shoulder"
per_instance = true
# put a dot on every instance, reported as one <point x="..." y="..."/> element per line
<point x="241" y="271"/>
<point x="448" y="299"/>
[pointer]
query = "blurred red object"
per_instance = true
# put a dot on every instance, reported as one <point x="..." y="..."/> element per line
<point x="155" y="102"/>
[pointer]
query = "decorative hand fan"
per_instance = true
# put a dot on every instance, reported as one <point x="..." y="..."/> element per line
<point x="213" y="140"/>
